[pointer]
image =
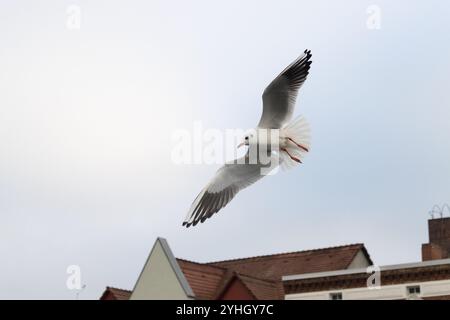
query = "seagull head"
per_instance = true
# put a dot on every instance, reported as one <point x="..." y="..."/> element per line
<point x="248" y="138"/>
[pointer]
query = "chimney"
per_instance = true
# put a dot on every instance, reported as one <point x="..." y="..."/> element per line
<point x="432" y="251"/>
<point x="439" y="240"/>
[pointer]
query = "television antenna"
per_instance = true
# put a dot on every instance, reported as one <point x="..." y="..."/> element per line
<point x="437" y="210"/>
<point x="446" y="206"/>
<point x="79" y="291"/>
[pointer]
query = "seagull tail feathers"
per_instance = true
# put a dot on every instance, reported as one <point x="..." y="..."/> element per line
<point x="298" y="133"/>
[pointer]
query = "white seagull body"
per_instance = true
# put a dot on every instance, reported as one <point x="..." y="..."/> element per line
<point x="294" y="141"/>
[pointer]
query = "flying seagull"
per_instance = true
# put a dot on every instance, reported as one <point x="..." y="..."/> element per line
<point x="294" y="142"/>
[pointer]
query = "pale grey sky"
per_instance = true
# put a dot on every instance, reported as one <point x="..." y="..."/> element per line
<point x="86" y="118"/>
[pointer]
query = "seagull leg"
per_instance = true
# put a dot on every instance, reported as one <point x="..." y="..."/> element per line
<point x="299" y="145"/>
<point x="291" y="156"/>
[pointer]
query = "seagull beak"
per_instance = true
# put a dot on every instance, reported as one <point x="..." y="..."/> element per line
<point x="240" y="144"/>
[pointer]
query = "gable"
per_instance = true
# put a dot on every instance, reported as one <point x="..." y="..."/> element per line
<point x="236" y="290"/>
<point x="161" y="277"/>
<point x="360" y="261"/>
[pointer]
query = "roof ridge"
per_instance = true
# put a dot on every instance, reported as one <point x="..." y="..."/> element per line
<point x="202" y="264"/>
<point x="360" y="245"/>
<point x="186" y="260"/>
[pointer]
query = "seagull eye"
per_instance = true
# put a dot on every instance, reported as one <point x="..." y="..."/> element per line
<point x="246" y="138"/>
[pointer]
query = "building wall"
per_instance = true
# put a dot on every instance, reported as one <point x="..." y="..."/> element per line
<point x="433" y="251"/>
<point x="158" y="280"/>
<point x="429" y="289"/>
<point x="439" y="233"/>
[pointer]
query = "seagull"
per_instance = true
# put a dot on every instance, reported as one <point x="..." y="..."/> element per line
<point x="279" y="100"/>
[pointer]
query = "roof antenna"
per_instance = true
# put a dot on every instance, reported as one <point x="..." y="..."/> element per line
<point x="435" y="210"/>
<point x="446" y="206"/>
<point x="80" y="290"/>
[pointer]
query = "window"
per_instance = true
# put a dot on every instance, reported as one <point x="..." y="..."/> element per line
<point x="413" y="290"/>
<point x="336" y="296"/>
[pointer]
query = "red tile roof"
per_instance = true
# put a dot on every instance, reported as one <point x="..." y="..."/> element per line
<point x="275" y="266"/>
<point x="263" y="289"/>
<point x="204" y="279"/>
<point x="111" y="293"/>
<point x="261" y="275"/>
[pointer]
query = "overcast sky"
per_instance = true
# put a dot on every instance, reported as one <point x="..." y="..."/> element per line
<point x="87" y="115"/>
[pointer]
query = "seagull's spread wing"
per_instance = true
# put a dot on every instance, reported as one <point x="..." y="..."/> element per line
<point x="228" y="181"/>
<point x="279" y="97"/>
